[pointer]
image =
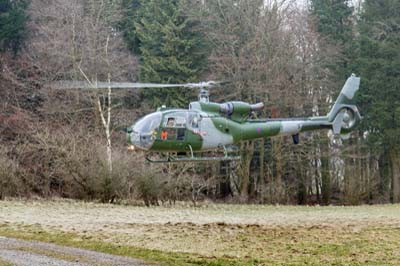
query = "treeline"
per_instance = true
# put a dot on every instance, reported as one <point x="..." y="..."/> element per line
<point x="293" y="58"/>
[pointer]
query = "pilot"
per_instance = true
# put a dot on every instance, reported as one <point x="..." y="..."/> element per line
<point x="164" y="135"/>
<point x="170" y="122"/>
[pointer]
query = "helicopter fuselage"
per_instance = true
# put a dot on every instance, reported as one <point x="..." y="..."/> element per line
<point x="181" y="130"/>
<point x="208" y="126"/>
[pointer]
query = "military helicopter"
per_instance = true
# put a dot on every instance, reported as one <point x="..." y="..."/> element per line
<point x="208" y="126"/>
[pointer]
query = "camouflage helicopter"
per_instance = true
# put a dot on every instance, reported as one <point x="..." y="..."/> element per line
<point x="208" y="126"/>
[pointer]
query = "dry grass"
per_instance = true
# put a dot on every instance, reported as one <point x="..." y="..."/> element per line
<point x="5" y="263"/>
<point x="277" y="235"/>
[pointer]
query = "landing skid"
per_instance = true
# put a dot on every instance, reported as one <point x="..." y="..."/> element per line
<point x="182" y="159"/>
<point x="175" y="159"/>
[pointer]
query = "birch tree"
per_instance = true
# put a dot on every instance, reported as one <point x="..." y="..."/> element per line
<point x="80" y="40"/>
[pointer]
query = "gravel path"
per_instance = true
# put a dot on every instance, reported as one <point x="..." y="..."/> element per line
<point x="32" y="253"/>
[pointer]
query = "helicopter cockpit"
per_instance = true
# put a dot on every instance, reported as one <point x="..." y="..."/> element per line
<point x="142" y="132"/>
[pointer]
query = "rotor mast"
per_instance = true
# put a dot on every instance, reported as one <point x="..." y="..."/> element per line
<point x="204" y="96"/>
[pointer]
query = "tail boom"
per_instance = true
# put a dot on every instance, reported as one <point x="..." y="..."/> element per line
<point x="342" y="118"/>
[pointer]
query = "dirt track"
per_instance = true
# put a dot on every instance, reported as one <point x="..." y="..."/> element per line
<point x="30" y="253"/>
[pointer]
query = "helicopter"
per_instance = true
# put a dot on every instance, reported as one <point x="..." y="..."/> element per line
<point x="209" y="126"/>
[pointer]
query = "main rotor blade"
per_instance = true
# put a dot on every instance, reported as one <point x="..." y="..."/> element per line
<point x="128" y="85"/>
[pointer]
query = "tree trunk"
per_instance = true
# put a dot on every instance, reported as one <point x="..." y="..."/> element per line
<point x="261" y="179"/>
<point x="247" y="155"/>
<point x="395" y="165"/>
<point x="278" y="193"/>
<point x="106" y="123"/>
<point x="325" y="182"/>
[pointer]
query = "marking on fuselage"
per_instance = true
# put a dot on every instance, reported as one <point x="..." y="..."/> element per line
<point x="199" y="132"/>
<point x="290" y="127"/>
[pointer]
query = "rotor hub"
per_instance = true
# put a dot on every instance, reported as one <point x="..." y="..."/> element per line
<point x="204" y="96"/>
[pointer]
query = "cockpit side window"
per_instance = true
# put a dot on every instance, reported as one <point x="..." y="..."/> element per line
<point x="194" y="120"/>
<point x="177" y="119"/>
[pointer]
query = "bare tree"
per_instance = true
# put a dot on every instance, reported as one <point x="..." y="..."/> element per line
<point x="78" y="40"/>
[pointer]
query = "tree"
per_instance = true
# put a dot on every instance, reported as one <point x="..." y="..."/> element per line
<point x="171" y="48"/>
<point x="12" y="24"/>
<point x="334" y="22"/>
<point x="77" y="40"/>
<point x="269" y="50"/>
<point x="131" y="16"/>
<point x="379" y="64"/>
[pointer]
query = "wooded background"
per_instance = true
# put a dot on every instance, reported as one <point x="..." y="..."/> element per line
<point x="294" y="57"/>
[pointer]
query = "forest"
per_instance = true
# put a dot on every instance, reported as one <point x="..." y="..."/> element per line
<point x="292" y="55"/>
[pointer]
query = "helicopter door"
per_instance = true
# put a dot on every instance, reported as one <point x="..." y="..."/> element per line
<point x="175" y="124"/>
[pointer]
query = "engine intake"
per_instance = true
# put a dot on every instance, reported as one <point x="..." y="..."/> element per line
<point x="239" y="111"/>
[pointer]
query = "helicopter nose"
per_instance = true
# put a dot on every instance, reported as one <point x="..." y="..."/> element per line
<point x="141" y="141"/>
<point x="135" y="140"/>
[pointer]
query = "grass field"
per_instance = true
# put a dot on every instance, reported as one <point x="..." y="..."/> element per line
<point x="215" y="234"/>
<point x="5" y="263"/>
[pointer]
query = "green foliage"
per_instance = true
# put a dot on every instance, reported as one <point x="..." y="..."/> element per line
<point x="170" y="47"/>
<point x="12" y="24"/>
<point x="131" y="16"/>
<point x="333" y="19"/>
<point x="379" y="66"/>
<point x="379" y="99"/>
<point x="334" y="23"/>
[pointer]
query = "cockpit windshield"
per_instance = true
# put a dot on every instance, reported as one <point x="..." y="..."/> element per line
<point x="148" y="124"/>
<point x="142" y="133"/>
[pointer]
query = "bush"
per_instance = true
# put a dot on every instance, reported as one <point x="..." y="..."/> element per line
<point x="9" y="179"/>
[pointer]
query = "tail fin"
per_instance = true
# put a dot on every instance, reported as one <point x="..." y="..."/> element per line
<point x="344" y="114"/>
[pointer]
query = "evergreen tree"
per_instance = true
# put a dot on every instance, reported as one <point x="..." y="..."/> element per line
<point x="379" y="67"/>
<point x="333" y="20"/>
<point x="12" y="24"/>
<point x="334" y="23"/>
<point x="131" y="16"/>
<point x="171" y="48"/>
